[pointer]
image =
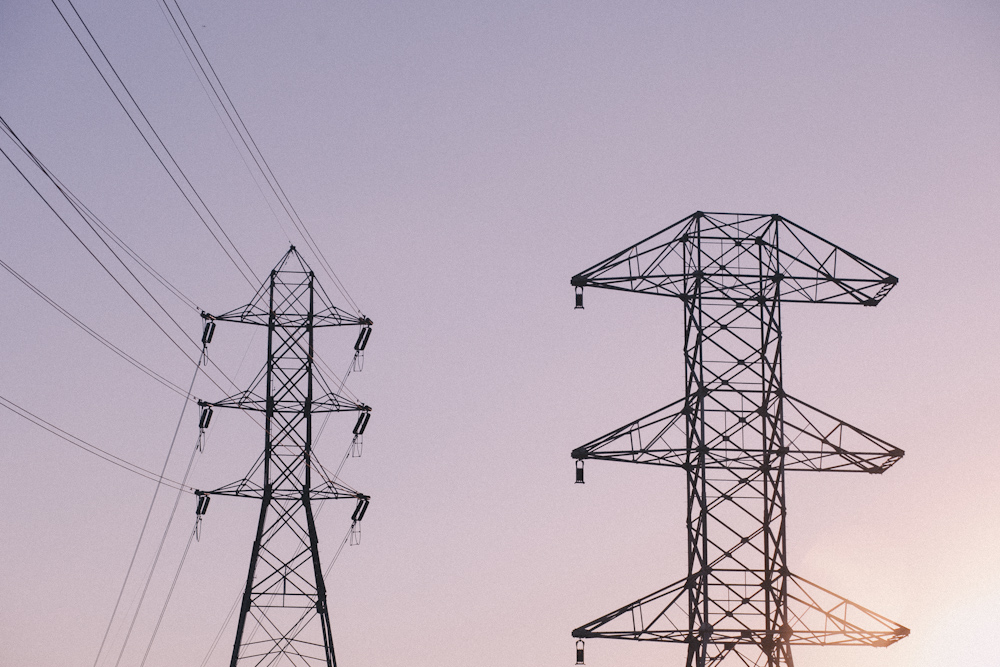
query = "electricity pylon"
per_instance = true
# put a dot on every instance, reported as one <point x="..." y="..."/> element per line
<point x="284" y="618"/>
<point x="735" y="434"/>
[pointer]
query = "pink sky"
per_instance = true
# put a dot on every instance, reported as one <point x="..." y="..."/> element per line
<point x="458" y="162"/>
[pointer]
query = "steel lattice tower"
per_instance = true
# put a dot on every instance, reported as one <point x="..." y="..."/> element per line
<point x="736" y="433"/>
<point x="284" y="618"/>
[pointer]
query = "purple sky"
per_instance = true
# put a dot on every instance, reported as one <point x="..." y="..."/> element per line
<point x="457" y="163"/>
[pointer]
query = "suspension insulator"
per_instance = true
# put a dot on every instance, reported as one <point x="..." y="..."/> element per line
<point x="579" y="298"/>
<point x="363" y="337"/>
<point x="579" y="471"/>
<point x="208" y="332"/>
<point x="579" y="652"/>
<point x="206" y="417"/>
<point x="359" y="511"/>
<point x="362" y="423"/>
<point x="203" y="500"/>
<point x="355" y="534"/>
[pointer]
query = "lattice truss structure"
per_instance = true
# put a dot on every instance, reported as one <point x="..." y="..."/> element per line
<point x="736" y="433"/>
<point x="284" y="619"/>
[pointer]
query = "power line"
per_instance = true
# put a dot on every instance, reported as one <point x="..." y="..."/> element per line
<point x="145" y="523"/>
<point x="80" y="443"/>
<point x="83" y="211"/>
<point x="204" y="213"/>
<point x="170" y="593"/>
<point x="225" y="101"/>
<point x="93" y="334"/>
<point x="91" y="221"/>
<point x="117" y="240"/>
<point x="79" y="207"/>
<point x="37" y="162"/>
<point x="152" y="567"/>
<point x="193" y="49"/>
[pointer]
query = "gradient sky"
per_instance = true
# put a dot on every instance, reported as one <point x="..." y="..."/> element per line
<point x="458" y="162"/>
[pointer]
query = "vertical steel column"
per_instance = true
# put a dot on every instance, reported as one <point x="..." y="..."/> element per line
<point x="735" y="517"/>
<point x="286" y="594"/>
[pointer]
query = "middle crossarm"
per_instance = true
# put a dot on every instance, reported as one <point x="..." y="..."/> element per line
<point x="814" y="440"/>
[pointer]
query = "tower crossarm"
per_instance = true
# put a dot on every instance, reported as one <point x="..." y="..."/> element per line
<point x="289" y="278"/>
<point x="816" y="616"/>
<point x="328" y="490"/>
<point x="254" y="313"/>
<point x="249" y="400"/>
<point x="814" y="270"/>
<point x="814" y="441"/>
<point x="818" y="441"/>
<point x="654" y="439"/>
<point x="660" y="616"/>
<point x="809" y="268"/>
<point x="820" y="617"/>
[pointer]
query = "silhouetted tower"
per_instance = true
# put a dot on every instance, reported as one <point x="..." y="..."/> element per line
<point x="735" y="434"/>
<point x="284" y="618"/>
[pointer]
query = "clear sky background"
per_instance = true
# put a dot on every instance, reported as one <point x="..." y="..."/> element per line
<point x="457" y="162"/>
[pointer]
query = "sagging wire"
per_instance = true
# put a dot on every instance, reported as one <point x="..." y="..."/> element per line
<point x="93" y="219"/>
<point x="196" y="532"/>
<point x="87" y="447"/>
<point x="204" y="420"/>
<point x="145" y="523"/>
<point x="192" y="48"/>
<point x="156" y="557"/>
<point x="81" y="211"/>
<point x="92" y="254"/>
<point x="148" y="135"/>
<point x="205" y="84"/>
<point x="93" y="334"/>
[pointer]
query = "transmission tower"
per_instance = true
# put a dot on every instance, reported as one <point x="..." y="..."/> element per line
<point x="735" y="434"/>
<point x="284" y="619"/>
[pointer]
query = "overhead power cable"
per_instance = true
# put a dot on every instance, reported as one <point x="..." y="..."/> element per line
<point x="210" y="81"/>
<point x="89" y="220"/>
<point x="96" y="224"/>
<point x="145" y="523"/>
<point x="10" y="133"/>
<point x="93" y="334"/>
<point x="140" y="121"/>
<point x="117" y="240"/>
<point x="192" y="47"/>
<point x="155" y="143"/>
<point x="94" y="450"/>
<point x="152" y="567"/>
<point x="170" y="593"/>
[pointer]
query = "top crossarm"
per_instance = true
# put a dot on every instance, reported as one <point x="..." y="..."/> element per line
<point x="256" y="312"/>
<point x="817" y="271"/>
<point x="733" y="256"/>
<point x="654" y="265"/>
<point x="291" y="307"/>
<point x="247" y="488"/>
